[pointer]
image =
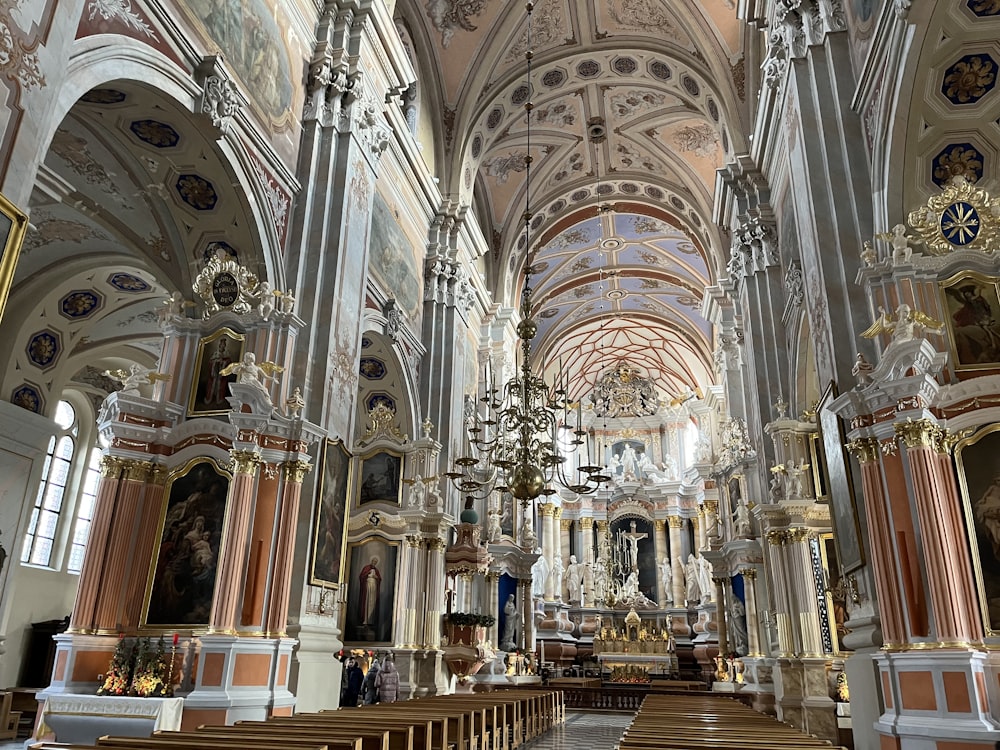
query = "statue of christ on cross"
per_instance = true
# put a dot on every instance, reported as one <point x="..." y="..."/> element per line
<point x="633" y="537"/>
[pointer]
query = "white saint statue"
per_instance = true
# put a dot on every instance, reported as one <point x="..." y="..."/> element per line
<point x="249" y="373"/>
<point x="796" y="479"/>
<point x="738" y="627"/>
<point x="667" y="579"/>
<point x="418" y="492"/>
<point x="539" y="575"/>
<point x="704" y="569"/>
<point x="692" y="587"/>
<point x="511" y="626"/>
<point x="494" y="532"/>
<point x="574" y="581"/>
<point x="741" y="521"/>
<point x="557" y="576"/>
<point x="600" y="580"/>
<point x="630" y="589"/>
<point x="628" y="463"/>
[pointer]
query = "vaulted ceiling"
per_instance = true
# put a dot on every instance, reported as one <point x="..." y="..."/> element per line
<point x="634" y="105"/>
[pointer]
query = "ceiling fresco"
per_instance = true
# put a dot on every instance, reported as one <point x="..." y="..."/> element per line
<point x="634" y="105"/>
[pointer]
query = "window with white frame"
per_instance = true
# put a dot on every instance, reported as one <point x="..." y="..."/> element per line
<point x="64" y="505"/>
<point x="44" y="525"/>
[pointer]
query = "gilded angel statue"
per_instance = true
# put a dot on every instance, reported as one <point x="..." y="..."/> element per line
<point x="248" y="372"/>
<point x="136" y="376"/>
<point x="906" y="325"/>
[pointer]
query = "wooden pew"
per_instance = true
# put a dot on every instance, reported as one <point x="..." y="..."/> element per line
<point x="710" y="723"/>
<point x="387" y="734"/>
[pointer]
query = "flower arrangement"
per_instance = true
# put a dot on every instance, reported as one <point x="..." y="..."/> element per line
<point x="139" y="670"/>
<point x="117" y="679"/>
<point x="465" y="619"/>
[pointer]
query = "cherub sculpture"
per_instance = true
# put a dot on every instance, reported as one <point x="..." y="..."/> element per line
<point x="906" y="325"/>
<point x="134" y="377"/>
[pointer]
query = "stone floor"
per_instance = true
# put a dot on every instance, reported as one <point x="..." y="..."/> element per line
<point x="593" y="731"/>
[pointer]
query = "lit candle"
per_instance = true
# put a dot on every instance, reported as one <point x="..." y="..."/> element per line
<point x="176" y="639"/>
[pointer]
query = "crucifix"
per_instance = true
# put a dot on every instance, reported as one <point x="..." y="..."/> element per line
<point x="633" y="538"/>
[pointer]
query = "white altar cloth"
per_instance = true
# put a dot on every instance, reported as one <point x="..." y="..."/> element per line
<point x="83" y="718"/>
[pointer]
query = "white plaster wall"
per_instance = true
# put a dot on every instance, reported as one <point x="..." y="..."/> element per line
<point x="41" y="595"/>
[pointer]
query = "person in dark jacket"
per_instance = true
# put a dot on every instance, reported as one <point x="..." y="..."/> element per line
<point x="370" y="686"/>
<point x="353" y="679"/>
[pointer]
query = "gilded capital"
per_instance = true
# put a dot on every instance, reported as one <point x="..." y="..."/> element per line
<point x="295" y="471"/>
<point x="587" y="522"/>
<point x="245" y="462"/>
<point x="546" y="509"/>
<point x="749" y="574"/>
<point x="711" y="506"/>
<point x="557" y="513"/>
<point x="659" y="524"/>
<point x="922" y="433"/>
<point x="158" y="475"/>
<point x="778" y="537"/>
<point x="799" y="534"/>
<point x="436" y="544"/>
<point x="414" y="540"/>
<point x="865" y="449"/>
<point x="676" y="522"/>
<point x="565" y="524"/>
<point x="602" y="527"/>
<point x="720" y="580"/>
<point x="136" y="471"/>
<point x="111" y="467"/>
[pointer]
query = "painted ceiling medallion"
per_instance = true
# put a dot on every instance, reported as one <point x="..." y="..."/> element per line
<point x="617" y="294"/>
<point x="983" y="8"/>
<point x="126" y="282"/>
<point x="28" y="397"/>
<point x="103" y="96"/>
<point x="43" y="348"/>
<point x="383" y="400"/>
<point x="961" y="217"/>
<point x="957" y="159"/>
<point x="365" y="342"/>
<point x="80" y="304"/>
<point x="155" y="133"/>
<point x="371" y="368"/>
<point x="969" y="79"/>
<point x="197" y="192"/>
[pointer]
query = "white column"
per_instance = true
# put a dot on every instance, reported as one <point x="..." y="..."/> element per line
<point x="753" y="617"/>
<point x="549" y="544"/>
<point x="660" y="552"/>
<point x="677" y="555"/>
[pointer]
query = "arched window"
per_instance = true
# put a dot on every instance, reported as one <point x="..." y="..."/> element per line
<point x="41" y="535"/>
<point x="64" y="505"/>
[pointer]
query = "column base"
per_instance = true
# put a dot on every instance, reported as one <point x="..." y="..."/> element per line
<point x="758" y="676"/>
<point x="937" y="699"/>
<point x="316" y="672"/>
<point x="240" y="679"/>
<point x="422" y="673"/>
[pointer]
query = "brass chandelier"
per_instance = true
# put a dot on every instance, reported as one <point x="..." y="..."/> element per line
<point x="522" y="434"/>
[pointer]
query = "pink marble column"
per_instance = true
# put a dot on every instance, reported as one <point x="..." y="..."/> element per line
<point x="955" y="611"/>
<point x="880" y="540"/>
<point x="117" y="570"/>
<point x="142" y="549"/>
<point x="83" y="618"/>
<point x="233" y="553"/>
<point x="281" y="572"/>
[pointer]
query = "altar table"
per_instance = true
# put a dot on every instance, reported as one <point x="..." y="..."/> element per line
<point x="81" y="719"/>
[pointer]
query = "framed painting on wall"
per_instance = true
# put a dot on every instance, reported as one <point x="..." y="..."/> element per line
<point x="979" y="480"/>
<point x="13" y="225"/>
<point x="371" y="590"/>
<point x="330" y="522"/>
<point x="839" y="485"/>
<point x="210" y="388"/>
<point x="972" y="303"/>
<point x="379" y="478"/>
<point x="184" y="564"/>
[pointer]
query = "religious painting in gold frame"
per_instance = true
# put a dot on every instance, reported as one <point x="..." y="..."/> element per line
<point x="369" y="614"/>
<point x="380" y="478"/>
<point x="972" y="316"/>
<point x="979" y="483"/>
<point x="839" y="484"/>
<point x="184" y="564"/>
<point x="210" y="388"/>
<point x="13" y="225"/>
<point x="330" y="521"/>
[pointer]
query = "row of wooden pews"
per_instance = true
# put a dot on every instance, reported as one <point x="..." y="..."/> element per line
<point x="678" y="722"/>
<point x="488" y="721"/>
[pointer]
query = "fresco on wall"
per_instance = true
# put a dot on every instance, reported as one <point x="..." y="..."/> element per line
<point x="392" y="260"/>
<point x="251" y="45"/>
